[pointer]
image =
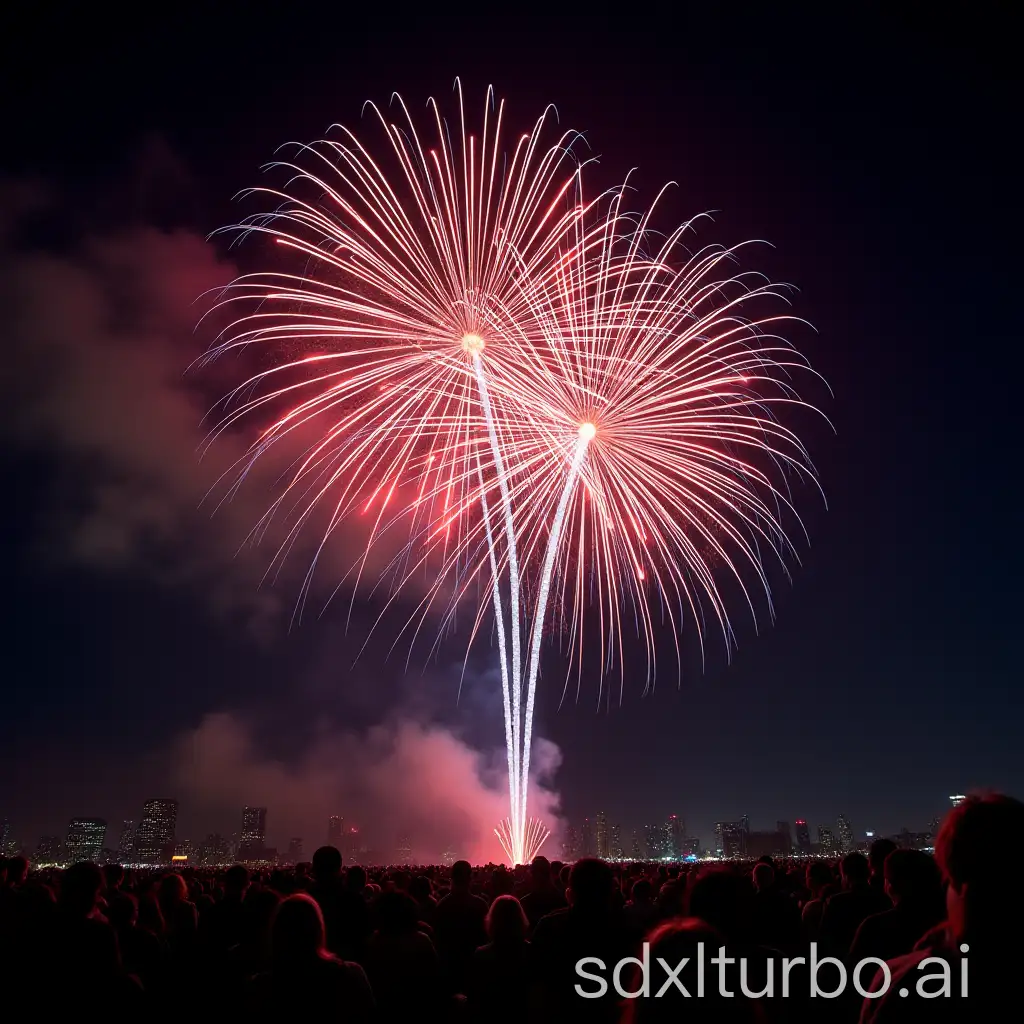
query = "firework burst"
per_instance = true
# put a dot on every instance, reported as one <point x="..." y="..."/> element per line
<point x="545" y="403"/>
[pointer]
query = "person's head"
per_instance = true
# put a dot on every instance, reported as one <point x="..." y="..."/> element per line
<point x="818" y="877"/>
<point x="764" y="876"/>
<point x="172" y="890"/>
<point x="80" y="888"/>
<point x="356" y="878"/>
<point x="982" y="901"/>
<point x="506" y="921"/>
<point x="17" y="871"/>
<point x="591" y="883"/>
<point x="911" y="876"/>
<point x="462" y="874"/>
<point x="722" y="899"/>
<point x="642" y="891"/>
<point x="877" y="854"/>
<point x="297" y="931"/>
<point x="123" y="911"/>
<point x="114" y="875"/>
<point x="327" y="864"/>
<point x="855" y="870"/>
<point x="540" y="871"/>
<point x="673" y="943"/>
<point x="396" y="912"/>
<point x="420" y="888"/>
<point x="236" y="880"/>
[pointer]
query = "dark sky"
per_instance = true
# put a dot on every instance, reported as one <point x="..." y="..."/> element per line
<point x="874" y="153"/>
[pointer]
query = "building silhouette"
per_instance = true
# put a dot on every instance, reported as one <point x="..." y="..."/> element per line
<point x="295" y="850"/>
<point x="845" y="829"/>
<point x="602" y="836"/>
<point x="252" y="840"/>
<point x="154" y="839"/>
<point x="827" y="845"/>
<point x="84" y="839"/>
<point x="803" y="836"/>
<point x="336" y="832"/>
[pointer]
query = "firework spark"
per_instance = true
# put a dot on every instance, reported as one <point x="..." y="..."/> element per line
<point x="536" y="396"/>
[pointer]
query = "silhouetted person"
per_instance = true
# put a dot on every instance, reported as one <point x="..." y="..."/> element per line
<point x="914" y="884"/>
<point x="459" y="925"/>
<point x="305" y="980"/>
<point x="776" y="917"/>
<point x="878" y="854"/>
<point x="501" y="985"/>
<point x="673" y="942"/>
<point x="640" y="912"/>
<point x="401" y="962"/>
<point x="820" y="887"/>
<point x="845" y="910"/>
<point x="346" y="915"/>
<point x="420" y="890"/>
<point x="142" y="953"/>
<point x="85" y="951"/>
<point x="985" y="907"/>
<point x="223" y="925"/>
<point x="543" y="896"/>
<point x="591" y="926"/>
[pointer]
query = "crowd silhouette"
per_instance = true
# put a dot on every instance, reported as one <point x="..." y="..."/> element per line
<point x="488" y="944"/>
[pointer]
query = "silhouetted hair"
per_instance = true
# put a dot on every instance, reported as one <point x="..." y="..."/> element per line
<point x="819" y="873"/>
<point x="912" y="874"/>
<point x="79" y="887"/>
<point x="462" y="872"/>
<point x="506" y="920"/>
<point x="855" y="867"/>
<point x="540" y="869"/>
<point x="974" y="839"/>
<point x="642" y="891"/>
<point x="419" y="888"/>
<point x="396" y="912"/>
<point x="591" y="881"/>
<point x="877" y="854"/>
<point x="327" y="862"/>
<point x="297" y="931"/>
<point x="722" y="899"/>
<point x="674" y="942"/>
<point x="764" y="875"/>
<point x="236" y="878"/>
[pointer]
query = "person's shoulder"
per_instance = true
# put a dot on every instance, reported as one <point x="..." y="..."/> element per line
<point x="555" y="920"/>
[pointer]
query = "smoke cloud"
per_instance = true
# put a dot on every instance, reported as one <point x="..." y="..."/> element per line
<point x="401" y="779"/>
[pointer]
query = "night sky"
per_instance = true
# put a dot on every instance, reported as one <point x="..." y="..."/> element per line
<point x="874" y="153"/>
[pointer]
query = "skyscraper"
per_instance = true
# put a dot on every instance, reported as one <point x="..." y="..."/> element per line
<point x="84" y="839"/>
<point x="571" y="845"/>
<point x="845" y="829"/>
<point x="154" y="840"/>
<point x="294" y="850"/>
<point x="586" y="839"/>
<point x="654" y="841"/>
<point x="47" y="850"/>
<point x="803" y="836"/>
<point x="336" y="832"/>
<point x="826" y="841"/>
<point x="615" y="842"/>
<point x="126" y="842"/>
<point x="253" y="837"/>
<point x="634" y="846"/>
<point x="602" y="835"/>
<point x="403" y="850"/>
<point x="675" y="836"/>
<point x="733" y="838"/>
<point x="782" y="827"/>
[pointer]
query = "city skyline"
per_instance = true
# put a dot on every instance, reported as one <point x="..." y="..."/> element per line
<point x="597" y="836"/>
